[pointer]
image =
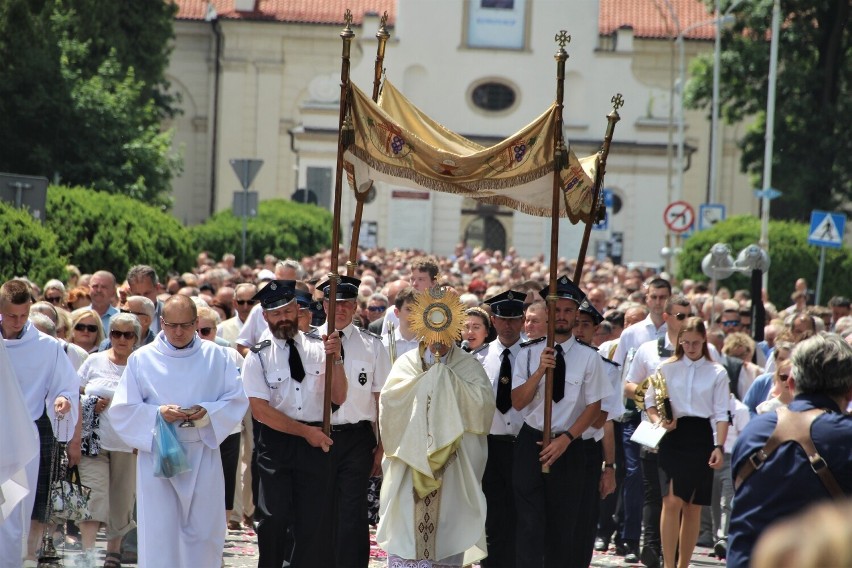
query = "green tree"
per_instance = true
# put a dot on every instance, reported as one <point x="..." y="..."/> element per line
<point x="96" y="230"/>
<point x="812" y="157"/>
<point x="283" y="228"/>
<point x="27" y="248"/>
<point x="790" y="254"/>
<point x="75" y="106"/>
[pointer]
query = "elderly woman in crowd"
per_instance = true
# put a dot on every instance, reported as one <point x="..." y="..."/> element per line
<point x="87" y="330"/>
<point x="54" y="293"/>
<point x="108" y="465"/>
<point x="77" y="298"/>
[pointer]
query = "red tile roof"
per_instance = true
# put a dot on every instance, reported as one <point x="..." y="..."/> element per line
<point x="649" y="18"/>
<point x="653" y="18"/>
<point x="295" y="11"/>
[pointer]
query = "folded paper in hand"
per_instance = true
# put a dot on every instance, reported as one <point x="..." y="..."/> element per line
<point x="648" y="434"/>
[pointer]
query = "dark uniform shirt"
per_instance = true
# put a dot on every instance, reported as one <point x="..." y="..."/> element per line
<point x="785" y="484"/>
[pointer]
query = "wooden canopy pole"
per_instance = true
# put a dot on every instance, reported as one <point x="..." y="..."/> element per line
<point x="382" y="35"/>
<point x="560" y="159"/>
<point x="343" y="140"/>
<point x="597" y="207"/>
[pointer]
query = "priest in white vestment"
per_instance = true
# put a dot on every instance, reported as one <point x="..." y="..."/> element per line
<point x="435" y="413"/>
<point x="195" y="385"/>
<point x="45" y="378"/>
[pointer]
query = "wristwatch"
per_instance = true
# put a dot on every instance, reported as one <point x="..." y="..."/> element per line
<point x="338" y="361"/>
<point x="720" y="446"/>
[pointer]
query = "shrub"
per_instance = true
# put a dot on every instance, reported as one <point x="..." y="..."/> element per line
<point x="283" y="228"/>
<point x="101" y="231"/>
<point x="27" y="248"/>
<point x="789" y="252"/>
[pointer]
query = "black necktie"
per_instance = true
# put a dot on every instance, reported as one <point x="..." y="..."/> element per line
<point x="559" y="375"/>
<point x="297" y="370"/>
<point x="504" y="384"/>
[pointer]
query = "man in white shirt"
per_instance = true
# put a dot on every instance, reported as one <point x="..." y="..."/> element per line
<point x="547" y="504"/>
<point x="657" y="294"/>
<point x="403" y="335"/>
<point x="507" y="317"/>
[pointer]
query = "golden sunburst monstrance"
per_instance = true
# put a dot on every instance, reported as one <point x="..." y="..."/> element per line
<point x="437" y="316"/>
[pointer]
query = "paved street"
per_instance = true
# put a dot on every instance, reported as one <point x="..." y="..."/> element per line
<point x="241" y="552"/>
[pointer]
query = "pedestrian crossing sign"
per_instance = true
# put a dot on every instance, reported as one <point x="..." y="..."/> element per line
<point x="826" y="229"/>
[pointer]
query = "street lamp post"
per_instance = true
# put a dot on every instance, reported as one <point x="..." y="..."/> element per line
<point x="770" y="132"/>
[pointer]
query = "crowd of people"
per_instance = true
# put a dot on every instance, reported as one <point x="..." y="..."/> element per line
<point x="235" y="359"/>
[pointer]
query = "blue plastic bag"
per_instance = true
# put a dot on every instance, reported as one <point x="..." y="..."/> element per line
<point x="169" y="456"/>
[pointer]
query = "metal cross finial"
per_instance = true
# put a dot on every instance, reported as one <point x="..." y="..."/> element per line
<point x="562" y="38"/>
<point x="347" y="17"/>
<point x="617" y="101"/>
<point x="384" y="20"/>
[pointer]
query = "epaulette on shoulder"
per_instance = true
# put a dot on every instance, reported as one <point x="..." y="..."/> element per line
<point x="258" y="347"/>
<point x="479" y="349"/>
<point x="610" y="361"/>
<point x="584" y="344"/>
<point x="371" y="334"/>
<point x="313" y="334"/>
<point x="533" y="341"/>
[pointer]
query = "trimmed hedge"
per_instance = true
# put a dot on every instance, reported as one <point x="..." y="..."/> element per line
<point x="101" y="231"/>
<point x="789" y="252"/>
<point x="283" y="228"/>
<point x="27" y="248"/>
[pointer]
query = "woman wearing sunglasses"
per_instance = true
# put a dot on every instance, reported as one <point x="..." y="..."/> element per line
<point x="698" y="394"/>
<point x="108" y="465"/>
<point x="87" y="330"/>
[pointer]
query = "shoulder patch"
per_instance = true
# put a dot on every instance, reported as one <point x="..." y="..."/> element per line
<point x="584" y="344"/>
<point x="480" y="348"/>
<point x="369" y="333"/>
<point x="533" y="341"/>
<point x="258" y="347"/>
<point x="610" y="361"/>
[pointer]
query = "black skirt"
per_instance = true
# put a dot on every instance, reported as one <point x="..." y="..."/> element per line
<point x="683" y="457"/>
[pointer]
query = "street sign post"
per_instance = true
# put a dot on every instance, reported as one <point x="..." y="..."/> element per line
<point x="826" y="231"/>
<point x="246" y="170"/>
<point x="679" y="216"/>
<point x="25" y="192"/>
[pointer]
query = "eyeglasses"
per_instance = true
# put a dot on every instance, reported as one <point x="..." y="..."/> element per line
<point x="692" y="344"/>
<point x="116" y="334"/>
<point x="783" y="377"/>
<point x="246" y="302"/>
<point x="731" y="323"/>
<point x="185" y="325"/>
<point x="680" y="317"/>
<point x="377" y="308"/>
<point x="137" y="314"/>
<point x="91" y="328"/>
<point x="205" y="330"/>
<point x="53" y="299"/>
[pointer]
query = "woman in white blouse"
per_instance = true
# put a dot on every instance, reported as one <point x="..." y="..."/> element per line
<point x="698" y="393"/>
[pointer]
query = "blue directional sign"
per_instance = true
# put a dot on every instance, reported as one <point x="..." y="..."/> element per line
<point x="826" y="229"/>
<point x="769" y="193"/>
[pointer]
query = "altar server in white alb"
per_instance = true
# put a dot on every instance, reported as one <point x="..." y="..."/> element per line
<point x="195" y="385"/>
<point x="45" y="378"/>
